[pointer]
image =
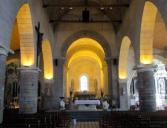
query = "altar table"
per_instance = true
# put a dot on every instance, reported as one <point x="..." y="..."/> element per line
<point x="87" y="104"/>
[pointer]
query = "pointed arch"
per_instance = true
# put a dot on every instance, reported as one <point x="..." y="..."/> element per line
<point x="47" y="60"/>
<point x="25" y="28"/>
<point x="123" y="57"/>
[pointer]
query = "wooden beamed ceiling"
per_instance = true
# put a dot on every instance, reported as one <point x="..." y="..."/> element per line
<point x="113" y="9"/>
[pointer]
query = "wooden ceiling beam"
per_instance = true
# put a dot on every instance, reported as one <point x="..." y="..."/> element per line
<point x="85" y="6"/>
<point x="80" y="21"/>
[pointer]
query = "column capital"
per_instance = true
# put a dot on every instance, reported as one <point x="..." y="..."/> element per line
<point x="48" y="81"/>
<point x="108" y="60"/>
<point x="143" y="68"/>
<point x="61" y="59"/>
<point x="4" y="50"/>
<point x="122" y="81"/>
<point x="27" y="69"/>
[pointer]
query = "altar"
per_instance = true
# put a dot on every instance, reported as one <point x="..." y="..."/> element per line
<point x="87" y="104"/>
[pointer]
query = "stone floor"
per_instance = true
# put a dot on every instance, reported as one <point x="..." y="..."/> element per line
<point x="86" y="125"/>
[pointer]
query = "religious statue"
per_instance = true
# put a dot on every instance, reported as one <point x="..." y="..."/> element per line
<point x="62" y="103"/>
<point x="105" y="105"/>
<point x="39" y="42"/>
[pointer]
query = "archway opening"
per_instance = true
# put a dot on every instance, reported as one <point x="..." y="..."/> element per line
<point x="22" y="38"/>
<point x="47" y="60"/>
<point x="123" y="57"/>
<point x="85" y="60"/>
<point x="153" y="33"/>
<point x="127" y="75"/>
<point x="22" y="43"/>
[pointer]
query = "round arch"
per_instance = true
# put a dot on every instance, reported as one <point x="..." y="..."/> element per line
<point x="25" y="29"/>
<point x="47" y="60"/>
<point x="148" y="23"/>
<point x="88" y="34"/>
<point x="123" y="57"/>
<point x="161" y="10"/>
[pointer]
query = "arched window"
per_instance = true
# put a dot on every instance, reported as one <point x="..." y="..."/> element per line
<point x="84" y="83"/>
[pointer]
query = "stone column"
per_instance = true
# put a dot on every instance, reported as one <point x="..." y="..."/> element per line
<point x="28" y="90"/>
<point x="47" y="94"/>
<point x="3" y="56"/>
<point x="59" y="82"/>
<point x="146" y="85"/>
<point x="124" y="96"/>
<point x="110" y="88"/>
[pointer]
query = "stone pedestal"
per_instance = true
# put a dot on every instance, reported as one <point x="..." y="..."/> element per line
<point x="28" y="90"/>
<point x="124" y="96"/>
<point x="146" y="87"/>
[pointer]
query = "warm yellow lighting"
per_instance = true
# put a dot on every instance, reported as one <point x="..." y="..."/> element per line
<point x="146" y="60"/>
<point x="86" y="56"/>
<point x="122" y="77"/>
<point x="11" y="61"/>
<point x="85" y="53"/>
<point x="147" y="32"/>
<point x="26" y="36"/>
<point x="85" y="43"/>
<point x="48" y="77"/>
<point x="123" y="57"/>
<point x="47" y="59"/>
<point x="27" y="64"/>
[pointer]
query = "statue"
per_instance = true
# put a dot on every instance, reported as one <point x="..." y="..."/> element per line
<point x="62" y="103"/>
<point x="39" y="42"/>
<point x="105" y="105"/>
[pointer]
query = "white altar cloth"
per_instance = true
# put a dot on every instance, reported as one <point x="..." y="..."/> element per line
<point x="91" y="102"/>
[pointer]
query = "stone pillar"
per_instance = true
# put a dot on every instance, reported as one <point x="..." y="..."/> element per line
<point x="28" y="90"/>
<point x="59" y="86"/>
<point x="3" y="56"/>
<point x="124" y="96"/>
<point x="47" y="94"/>
<point x="146" y="85"/>
<point x="110" y="88"/>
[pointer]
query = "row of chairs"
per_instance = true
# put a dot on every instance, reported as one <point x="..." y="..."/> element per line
<point x="133" y="120"/>
<point x="39" y="120"/>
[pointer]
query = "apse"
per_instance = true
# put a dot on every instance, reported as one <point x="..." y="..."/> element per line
<point x="85" y="67"/>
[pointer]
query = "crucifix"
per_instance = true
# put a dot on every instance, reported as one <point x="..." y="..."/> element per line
<point x="39" y="42"/>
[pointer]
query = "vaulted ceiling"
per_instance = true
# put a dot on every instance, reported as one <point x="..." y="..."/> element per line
<point x="114" y="10"/>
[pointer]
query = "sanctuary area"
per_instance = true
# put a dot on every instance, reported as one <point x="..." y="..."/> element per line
<point x="83" y="63"/>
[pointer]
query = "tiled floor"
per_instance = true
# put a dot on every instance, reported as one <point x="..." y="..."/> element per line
<point x="86" y="125"/>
